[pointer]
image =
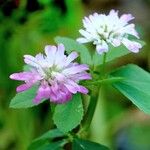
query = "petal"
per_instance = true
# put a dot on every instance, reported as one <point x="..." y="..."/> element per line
<point x="116" y="42"/>
<point x="82" y="40"/>
<point x="126" y="17"/>
<point x="50" y="50"/>
<point x="42" y="93"/>
<point x="71" y="88"/>
<point x="60" y="57"/>
<point x="132" y="45"/>
<point x="60" y="49"/>
<point x="113" y="14"/>
<point x="72" y="56"/>
<point x="55" y="88"/>
<point x="80" y="76"/>
<point x="60" y="95"/>
<point x="58" y="76"/>
<point x="89" y="25"/>
<point x="101" y="48"/>
<point x="40" y="57"/>
<point x="22" y="76"/>
<point x="86" y="34"/>
<point x="130" y="29"/>
<point x="83" y="90"/>
<point x="75" y="69"/>
<point x="30" y="60"/>
<point x="23" y="87"/>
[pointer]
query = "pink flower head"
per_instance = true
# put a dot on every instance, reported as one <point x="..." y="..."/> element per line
<point x="55" y="73"/>
<point x="103" y="30"/>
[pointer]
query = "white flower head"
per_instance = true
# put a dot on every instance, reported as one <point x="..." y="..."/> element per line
<point x="103" y="30"/>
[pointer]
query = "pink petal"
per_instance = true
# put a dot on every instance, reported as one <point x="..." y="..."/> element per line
<point x="62" y="97"/>
<point x="72" y="86"/>
<point x="22" y="76"/>
<point x="132" y="45"/>
<point x="42" y="93"/>
<point x="60" y="94"/>
<point x="23" y="87"/>
<point x="81" y="76"/>
<point x="83" y="90"/>
<point x="126" y="17"/>
<point x="55" y="88"/>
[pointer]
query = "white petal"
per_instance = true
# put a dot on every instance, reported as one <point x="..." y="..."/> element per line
<point x="130" y="29"/>
<point x="72" y="56"/>
<point x="30" y="60"/>
<point x="116" y="42"/>
<point x="85" y="34"/>
<point x="60" y="57"/>
<point x="132" y="45"/>
<point x="101" y="48"/>
<point x="82" y="40"/>
<point x="75" y="69"/>
<point x="50" y="51"/>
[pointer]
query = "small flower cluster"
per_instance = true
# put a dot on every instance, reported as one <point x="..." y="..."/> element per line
<point x="55" y="73"/>
<point x="103" y="30"/>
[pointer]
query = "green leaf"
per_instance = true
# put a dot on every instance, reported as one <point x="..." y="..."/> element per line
<point x="50" y="135"/>
<point x="67" y="116"/>
<point x="72" y="45"/>
<point x="53" y="146"/>
<point x="38" y="145"/>
<point x="113" y="53"/>
<point x="24" y="99"/>
<point x="80" y="144"/>
<point x="48" y="146"/>
<point x="44" y="139"/>
<point x="135" y="86"/>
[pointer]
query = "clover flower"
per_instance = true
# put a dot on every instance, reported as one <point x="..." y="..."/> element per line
<point x="55" y="73"/>
<point x="103" y="30"/>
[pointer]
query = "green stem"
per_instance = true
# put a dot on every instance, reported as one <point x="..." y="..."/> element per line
<point x="91" y="109"/>
<point x="103" y="65"/>
<point x="104" y="81"/>
<point x="92" y="105"/>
